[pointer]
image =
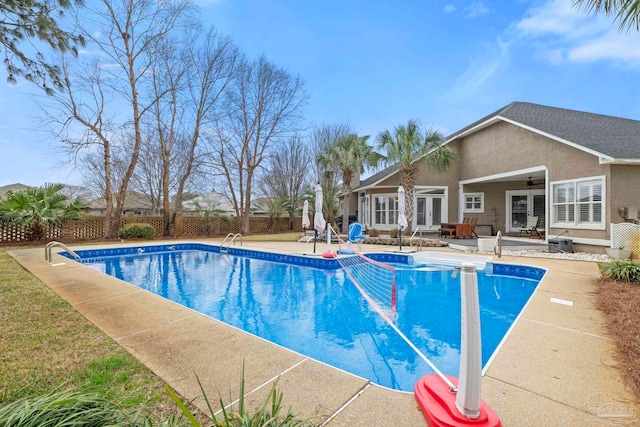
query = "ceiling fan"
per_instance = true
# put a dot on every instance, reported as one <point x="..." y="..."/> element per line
<point x="531" y="183"/>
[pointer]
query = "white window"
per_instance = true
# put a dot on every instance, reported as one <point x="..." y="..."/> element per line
<point x="474" y="202"/>
<point x="381" y="210"/>
<point x="578" y="203"/>
<point x="386" y="210"/>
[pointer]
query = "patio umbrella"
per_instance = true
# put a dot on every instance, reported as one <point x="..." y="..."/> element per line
<point x="402" y="219"/>
<point x="305" y="215"/>
<point x="318" y="219"/>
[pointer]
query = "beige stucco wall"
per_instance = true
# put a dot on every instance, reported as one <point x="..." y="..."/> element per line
<point x="625" y="189"/>
<point x="503" y="148"/>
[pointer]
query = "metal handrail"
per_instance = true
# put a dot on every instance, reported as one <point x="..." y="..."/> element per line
<point x="225" y="239"/>
<point x="232" y="241"/>
<point x="414" y="235"/>
<point x="497" y="249"/>
<point x="50" y="245"/>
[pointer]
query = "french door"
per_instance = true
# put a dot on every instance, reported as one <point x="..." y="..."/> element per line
<point x="429" y="211"/>
<point x="523" y="204"/>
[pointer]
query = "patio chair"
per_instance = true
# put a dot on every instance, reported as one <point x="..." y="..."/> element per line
<point x="473" y="222"/>
<point x="530" y="229"/>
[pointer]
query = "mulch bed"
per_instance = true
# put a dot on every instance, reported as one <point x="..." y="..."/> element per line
<point x="620" y="302"/>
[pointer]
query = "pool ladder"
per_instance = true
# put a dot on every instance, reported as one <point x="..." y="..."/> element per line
<point x="51" y="245"/>
<point x="231" y="242"/>
<point x="414" y="235"/>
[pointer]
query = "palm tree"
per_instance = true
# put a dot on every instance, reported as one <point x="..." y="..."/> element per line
<point x="39" y="207"/>
<point x="349" y="154"/>
<point x="627" y="12"/>
<point x="210" y="214"/>
<point x="405" y="147"/>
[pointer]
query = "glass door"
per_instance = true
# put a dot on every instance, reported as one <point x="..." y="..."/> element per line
<point x="428" y="212"/>
<point x="523" y="204"/>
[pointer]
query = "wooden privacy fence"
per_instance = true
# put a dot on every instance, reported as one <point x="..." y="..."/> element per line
<point x="92" y="227"/>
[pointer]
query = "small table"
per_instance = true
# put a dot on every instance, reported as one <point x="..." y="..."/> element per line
<point x="456" y="230"/>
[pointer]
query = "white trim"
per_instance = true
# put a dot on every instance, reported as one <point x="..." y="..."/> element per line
<point x="619" y="161"/>
<point x="473" y="196"/>
<point x="547" y="205"/>
<point x="508" y="214"/>
<point x="504" y="175"/>
<point x="575" y="226"/>
<point x="556" y="138"/>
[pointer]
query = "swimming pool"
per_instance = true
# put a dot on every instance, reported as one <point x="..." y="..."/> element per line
<point x="308" y="305"/>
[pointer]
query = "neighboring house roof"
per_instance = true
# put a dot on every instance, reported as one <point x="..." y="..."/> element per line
<point x="610" y="138"/>
<point x="12" y="187"/>
<point x="214" y="199"/>
<point x="133" y="201"/>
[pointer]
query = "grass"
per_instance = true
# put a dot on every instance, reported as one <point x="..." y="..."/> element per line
<point x="293" y="236"/>
<point x="46" y="343"/>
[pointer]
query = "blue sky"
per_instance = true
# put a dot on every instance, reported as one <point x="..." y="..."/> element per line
<point x="378" y="63"/>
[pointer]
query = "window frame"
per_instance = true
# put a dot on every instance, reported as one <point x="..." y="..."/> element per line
<point x="388" y="213"/>
<point x="575" y="184"/>
<point x="473" y="195"/>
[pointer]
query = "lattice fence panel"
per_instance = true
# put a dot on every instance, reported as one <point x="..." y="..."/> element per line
<point x="232" y="227"/>
<point x="626" y="235"/>
<point x="88" y="228"/>
<point x="14" y="233"/>
<point x="193" y="226"/>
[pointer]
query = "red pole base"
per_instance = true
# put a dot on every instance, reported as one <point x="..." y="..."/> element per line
<point x="438" y="405"/>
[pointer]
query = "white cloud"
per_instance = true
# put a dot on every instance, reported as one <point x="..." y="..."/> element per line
<point x="482" y="68"/>
<point x="475" y="9"/>
<point x="449" y="8"/>
<point x="560" y="33"/>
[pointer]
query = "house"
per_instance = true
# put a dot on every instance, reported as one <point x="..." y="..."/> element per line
<point x="134" y="202"/>
<point x="577" y="172"/>
<point x="12" y="187"/>
<point x="213" y="200"/>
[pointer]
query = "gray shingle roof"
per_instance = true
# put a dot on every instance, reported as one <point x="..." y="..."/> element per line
<point x="612" y="136"/>
<point x="608" y="135"/>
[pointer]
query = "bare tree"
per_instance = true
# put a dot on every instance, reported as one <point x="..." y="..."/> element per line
<point x="288" y="172"/>
<point x="264" y="106"/>
<point x="126" y="33"/>
<point x="323" y="137"/>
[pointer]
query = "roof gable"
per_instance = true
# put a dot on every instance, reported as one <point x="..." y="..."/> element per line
<point x="608" y="136"/>
<point x="604" y="136"/>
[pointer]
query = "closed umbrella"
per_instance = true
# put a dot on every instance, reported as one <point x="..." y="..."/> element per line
<point x="402" y="219"/>
<point x="318" y="219"/>
<point x="305" y="215"/>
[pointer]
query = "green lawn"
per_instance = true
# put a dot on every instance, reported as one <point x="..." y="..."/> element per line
<point x="45" y="343"/>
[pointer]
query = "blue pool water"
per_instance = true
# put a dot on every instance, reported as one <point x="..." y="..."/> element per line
<point x="319" y="313"/>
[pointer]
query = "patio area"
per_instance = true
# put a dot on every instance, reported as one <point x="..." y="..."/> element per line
<point x="557" y="366"/>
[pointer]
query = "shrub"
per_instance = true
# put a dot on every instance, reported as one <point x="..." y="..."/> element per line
<point x="393" y="233"/>
<point x="270" y="413"/>
<point x="141" y="231"/>
<point x="622" y="270"/>
<point x="374" y="232"/>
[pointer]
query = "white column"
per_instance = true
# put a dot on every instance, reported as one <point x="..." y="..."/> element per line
<point x="469" y="384"/>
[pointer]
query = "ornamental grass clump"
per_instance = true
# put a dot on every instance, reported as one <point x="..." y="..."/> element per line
<point x="268" y="414"/>
<point x="622" y="271"/>
<point x="61" y="408"/>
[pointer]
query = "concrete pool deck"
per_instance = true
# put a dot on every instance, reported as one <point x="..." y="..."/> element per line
<point x="556" y="367"/>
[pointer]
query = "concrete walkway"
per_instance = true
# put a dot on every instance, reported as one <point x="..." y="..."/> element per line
<point x="556" y="368"/>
